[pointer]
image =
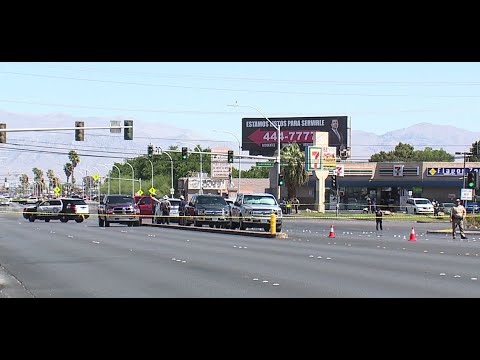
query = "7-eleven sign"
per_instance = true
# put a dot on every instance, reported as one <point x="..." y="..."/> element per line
<point x="313" y="158"/>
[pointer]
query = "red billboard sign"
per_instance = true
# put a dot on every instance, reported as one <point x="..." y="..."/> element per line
<point x="259" y="137"/>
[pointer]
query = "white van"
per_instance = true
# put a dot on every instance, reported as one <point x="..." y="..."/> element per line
<point x="419" y="206"/>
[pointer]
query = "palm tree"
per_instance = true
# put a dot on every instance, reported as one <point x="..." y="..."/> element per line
<point x="75" y="160"/>
<point x="51" y="177"/>
<point x="294" y="169"/>
<point x="24" y="182"/>
<point x="38" y="178"/>
<point x="67" y="168"/>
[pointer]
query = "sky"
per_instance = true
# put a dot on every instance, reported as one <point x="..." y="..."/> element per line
<point x="377" y="96"/>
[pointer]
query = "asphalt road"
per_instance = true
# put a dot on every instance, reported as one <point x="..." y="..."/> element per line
<point x="57" y="260"/>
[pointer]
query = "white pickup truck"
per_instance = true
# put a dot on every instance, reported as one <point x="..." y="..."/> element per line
<point x="253" y="210"/>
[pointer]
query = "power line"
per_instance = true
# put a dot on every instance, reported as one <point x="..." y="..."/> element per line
<point x="233" y="90"/>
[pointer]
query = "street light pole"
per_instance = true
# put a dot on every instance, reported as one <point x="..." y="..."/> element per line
<point x="119" y="176"/>
<point x="133" y="176"/>
<point x="152" y="169"/>
<point x="239" y="155"/>
<point x="171" y="169"/>
<point x="108" y="172"/>
<point x="465" y="154"/>
<point x="277" y="127"/>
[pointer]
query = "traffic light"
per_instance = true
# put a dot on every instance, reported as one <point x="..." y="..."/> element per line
<point x="3" y="134"/>
<point x="150" y="151"/>
<point x="471" y="179"/>
<point x="184" y="153"/>
<point x="476" y="180"/>
<point x="334" y="182"/>
<point x="128" y="132"/>
<point x="281" y="180"/>
<point x="79" y="133"/>
<point x="230" y="156"/>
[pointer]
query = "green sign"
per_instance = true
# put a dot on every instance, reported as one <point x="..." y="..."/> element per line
<point x="265" y="164"/>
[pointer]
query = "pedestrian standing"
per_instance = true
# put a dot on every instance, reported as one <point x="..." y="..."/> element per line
<point x="296" y="203"/>
<point x="369" y="202"/>
<point x="289" y="207"/>
<point x="378" y="218"/>
<point x="457" y="217"/>
<point x="181" y="209"/>
<point x="165" y="206"/>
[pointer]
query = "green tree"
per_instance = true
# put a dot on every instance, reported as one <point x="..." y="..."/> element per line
<point x="255" y="172"/>
<point x="406" y="152"/>
<point x="294" y="168"/>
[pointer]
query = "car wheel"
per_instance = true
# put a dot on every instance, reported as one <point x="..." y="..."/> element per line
<point x="47" y="220"/>
<point x="242" y="226"/>
<point x="31" y="218"/>
<point x="197" y="223"/>
<point x="63" y="219"/>
<point x="79" y="220"/>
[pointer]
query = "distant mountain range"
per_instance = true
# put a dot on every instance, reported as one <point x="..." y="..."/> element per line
<point x="17" y="156"/>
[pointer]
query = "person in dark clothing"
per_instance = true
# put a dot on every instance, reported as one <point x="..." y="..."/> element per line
<point x="181" y="210"/>
<point x="165" y="206"/>
<point x="378" y="218"/>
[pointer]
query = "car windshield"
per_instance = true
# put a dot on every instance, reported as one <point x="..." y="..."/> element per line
<point x="448" y="204"/>
<point x="174" y="203"/>
<point x="211" y="200"/>
<point x="260" y="200"/>
<point x="423" y="202"/>
<point x="120" y="200"/>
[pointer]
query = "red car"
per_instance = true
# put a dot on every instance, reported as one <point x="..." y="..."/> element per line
<point x="147" y="207"/>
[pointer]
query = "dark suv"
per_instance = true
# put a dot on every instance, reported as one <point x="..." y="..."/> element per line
<point x="63" y="209"/>
<point x="207" y="209"/>
<point x="119" y="209"/>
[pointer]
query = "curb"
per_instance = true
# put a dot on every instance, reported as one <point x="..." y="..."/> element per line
<point x="263" y="234"/>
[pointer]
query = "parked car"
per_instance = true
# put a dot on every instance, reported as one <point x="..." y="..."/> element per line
<point x="63" y="209"/>
<point x="147" y="207"/>
<point x="4" y="201"/>
<point x="254" y="210"/>
<point x="446" y="207"/>
<point x="472" y="206"/>
<point x="32" y="200"/>
<point x="120" y="209"/>
<point x="174" y="210"/>
<point x="207" y="209"/>
<point x="419" y="206"/>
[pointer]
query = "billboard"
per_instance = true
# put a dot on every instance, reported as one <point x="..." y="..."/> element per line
<point x="259" y="137"/>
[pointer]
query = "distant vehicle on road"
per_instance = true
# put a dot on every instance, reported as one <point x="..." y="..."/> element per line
<point x="446" y="207"/>
<point x="254" y="210"/>
<point x="207" y="209"/>
<point x="419" y="206"/>
<point x="63" y="209"/>
<point x="119" y="209"/>
<point x="147" y="207"/>
<point x="472" y="207"/>
<point x="4" y="201"/>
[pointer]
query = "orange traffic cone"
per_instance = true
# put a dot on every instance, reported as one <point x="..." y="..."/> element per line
<point x="413" y="236"/>
<point x="332" y="233"/>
